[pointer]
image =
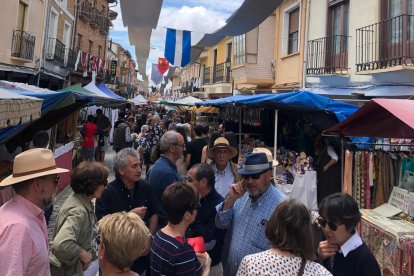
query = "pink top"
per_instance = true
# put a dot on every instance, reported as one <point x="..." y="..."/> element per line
<point x="23" y="239"/>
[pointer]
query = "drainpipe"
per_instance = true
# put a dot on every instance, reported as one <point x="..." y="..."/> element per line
<point x="46" y="30"/>
<point x="305" y="50"/>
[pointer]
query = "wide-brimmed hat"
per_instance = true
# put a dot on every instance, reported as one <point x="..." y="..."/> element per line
<point x="269" y="155"/>
<point x="254" y="163"/>
<point x="31" y="164"/>
<point x="222" y="142"/>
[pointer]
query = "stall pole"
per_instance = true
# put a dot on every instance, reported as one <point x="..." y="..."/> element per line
<point x="342" y="165"/>
<point x="275" y="142"/>
<point x="240" y="131"/>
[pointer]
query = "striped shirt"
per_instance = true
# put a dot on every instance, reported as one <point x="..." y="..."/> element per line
<point x="171" y="257"/>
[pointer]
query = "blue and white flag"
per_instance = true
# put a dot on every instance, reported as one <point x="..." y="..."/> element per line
<point x="178" y="47"/>
<point x="156" y="75"/>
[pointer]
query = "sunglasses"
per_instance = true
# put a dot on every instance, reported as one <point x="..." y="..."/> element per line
<point x="253" y="176"/>
<point x="322" y="222"/>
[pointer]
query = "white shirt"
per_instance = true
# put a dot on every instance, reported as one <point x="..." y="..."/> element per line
<point x="331" y="152"/>
<point x="224" y="179"/>
<point x="351" y="244"/>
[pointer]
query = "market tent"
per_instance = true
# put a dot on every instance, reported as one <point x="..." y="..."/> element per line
<point x="187" y="101"/>
<point x="16" y="108"/>
<point x="386" y="118"/>
<point x="139" y="100"/>
<point x="81" y="92"/>
<point x="102" y="99"/>
<point x="294" y="101"/>
<point x="108" y="92"/>
<point x="53" y="103"/>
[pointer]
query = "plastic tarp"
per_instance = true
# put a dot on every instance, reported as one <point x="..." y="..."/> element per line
<point x="300" y="101"/>
<point x="81" y="93"/>
<point x="187" y="101"/>
<point x="385" y="118"/>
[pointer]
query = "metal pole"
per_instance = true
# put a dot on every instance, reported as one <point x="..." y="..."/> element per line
<point x="342" y="164"/>
<point x="275" y="141"/>
<point x="240" y="130"/>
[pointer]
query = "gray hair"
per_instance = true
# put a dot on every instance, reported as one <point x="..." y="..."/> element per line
<point x="169" y="138"/>
<point x="144" y="128"/>
<point x="121" y="159"/>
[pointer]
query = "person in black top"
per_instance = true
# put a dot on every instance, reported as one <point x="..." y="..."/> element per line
<point x="195" y="147"/>
<point x="201" y="176"/>
<point x="131" y="194"/>
<point x="343" y="252"/>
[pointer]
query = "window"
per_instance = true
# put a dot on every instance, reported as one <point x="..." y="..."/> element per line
<point x="99" y="50"/>
<point x="63" y="3"/>
<point x="21" y="16"/>
<point x="293" y="32"/>
<point x="79" y="42"/>
<point x="90" y="47"/>
<point x="239" y="49"/>
<point x="338" y="21"/>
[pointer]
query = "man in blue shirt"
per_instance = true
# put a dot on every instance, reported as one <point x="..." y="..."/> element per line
<point x="164" y="172"/>
<point x="246" y="210"/>
<point x="201" y="176"/>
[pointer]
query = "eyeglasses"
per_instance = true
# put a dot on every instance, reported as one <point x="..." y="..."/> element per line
<point x="322" y="222"/>
<point x="253" y="176"/>
<point x="183" y="145"/>
<point x="189" y="179"/>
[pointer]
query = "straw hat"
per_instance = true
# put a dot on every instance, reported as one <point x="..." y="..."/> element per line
<point x="255" y="163"/>
<point x="31" y="164"/>
<point x="269" y="155"/>
<point x="221" y="142"/>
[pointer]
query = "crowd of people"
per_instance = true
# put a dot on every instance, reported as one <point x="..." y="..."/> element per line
<point x="196" y="213"/>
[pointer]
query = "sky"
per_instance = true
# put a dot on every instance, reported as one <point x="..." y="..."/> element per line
<point x="198" y="16"/>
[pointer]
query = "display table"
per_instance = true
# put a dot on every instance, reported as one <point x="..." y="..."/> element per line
<point x="395" y="254"/>
<point x="303" y="189"/>
<point x="63" y="157"/>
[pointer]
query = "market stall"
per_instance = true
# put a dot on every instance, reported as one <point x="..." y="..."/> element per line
<point x="382" y="178"/>
<point x="256" y="119"/>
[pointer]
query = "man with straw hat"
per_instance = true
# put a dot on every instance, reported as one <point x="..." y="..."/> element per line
<point x="23" y="231"/>
<point x="225" y="171"/>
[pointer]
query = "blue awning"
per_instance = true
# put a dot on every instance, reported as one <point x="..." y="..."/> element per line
<point x="300" y="101"/>
<point x="108" y="92"/>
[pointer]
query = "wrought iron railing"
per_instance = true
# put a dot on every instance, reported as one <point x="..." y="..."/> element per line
<point x="207" y="75"/>
<point x="105" y="25"/>
<point x="71" y="59"/>
<point x="219" y="73"/>
<point x="328" y="55"/>
<point x="23" y="45"/>
<point x="85" y="11"/>
<point x="386" y="44"/>
<point x="55" y="50"/>
<point x="96" y="21"/>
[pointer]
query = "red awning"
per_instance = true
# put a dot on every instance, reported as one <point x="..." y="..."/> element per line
<point x="387" y="118"/>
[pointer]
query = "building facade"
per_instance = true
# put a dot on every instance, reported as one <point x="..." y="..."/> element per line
<point x="22" y="35"/>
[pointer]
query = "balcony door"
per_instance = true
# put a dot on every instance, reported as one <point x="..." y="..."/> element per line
<point x="51" y="34"/>
<point x="397" y="30"/>
<point x="338" y="31"/>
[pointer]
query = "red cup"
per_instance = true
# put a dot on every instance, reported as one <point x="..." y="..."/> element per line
<point x="197" y="243"/>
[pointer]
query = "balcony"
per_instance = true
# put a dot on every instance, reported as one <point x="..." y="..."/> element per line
<point x="71" y="59"/>
<point x="328" y="55"/>
<point x="96" y="21"/>
<point x="386" y="44"/>
<point x="220" y="73"/>
<point x="105" y="26"/>
<point x="23" y="45"/>
<point x="55" y="51"/>
<point x="85" y="11"/>
<point x="207" y="75"/>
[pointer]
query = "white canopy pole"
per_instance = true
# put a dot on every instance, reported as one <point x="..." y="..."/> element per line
<point x="275" y="142"/>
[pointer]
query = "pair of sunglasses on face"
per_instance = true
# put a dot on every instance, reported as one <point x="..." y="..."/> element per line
<point x="253" y="176"/>
<point x="322" y="222"/>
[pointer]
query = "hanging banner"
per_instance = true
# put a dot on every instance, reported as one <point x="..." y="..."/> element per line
<point x="163" y="65"/>
<point x="156" y="75"/>
<point x="178" y="47"/>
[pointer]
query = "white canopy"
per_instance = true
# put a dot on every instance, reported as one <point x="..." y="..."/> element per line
<point x="139" y="100"/>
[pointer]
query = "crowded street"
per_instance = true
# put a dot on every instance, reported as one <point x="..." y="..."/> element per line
<point x="209" y="138"/>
